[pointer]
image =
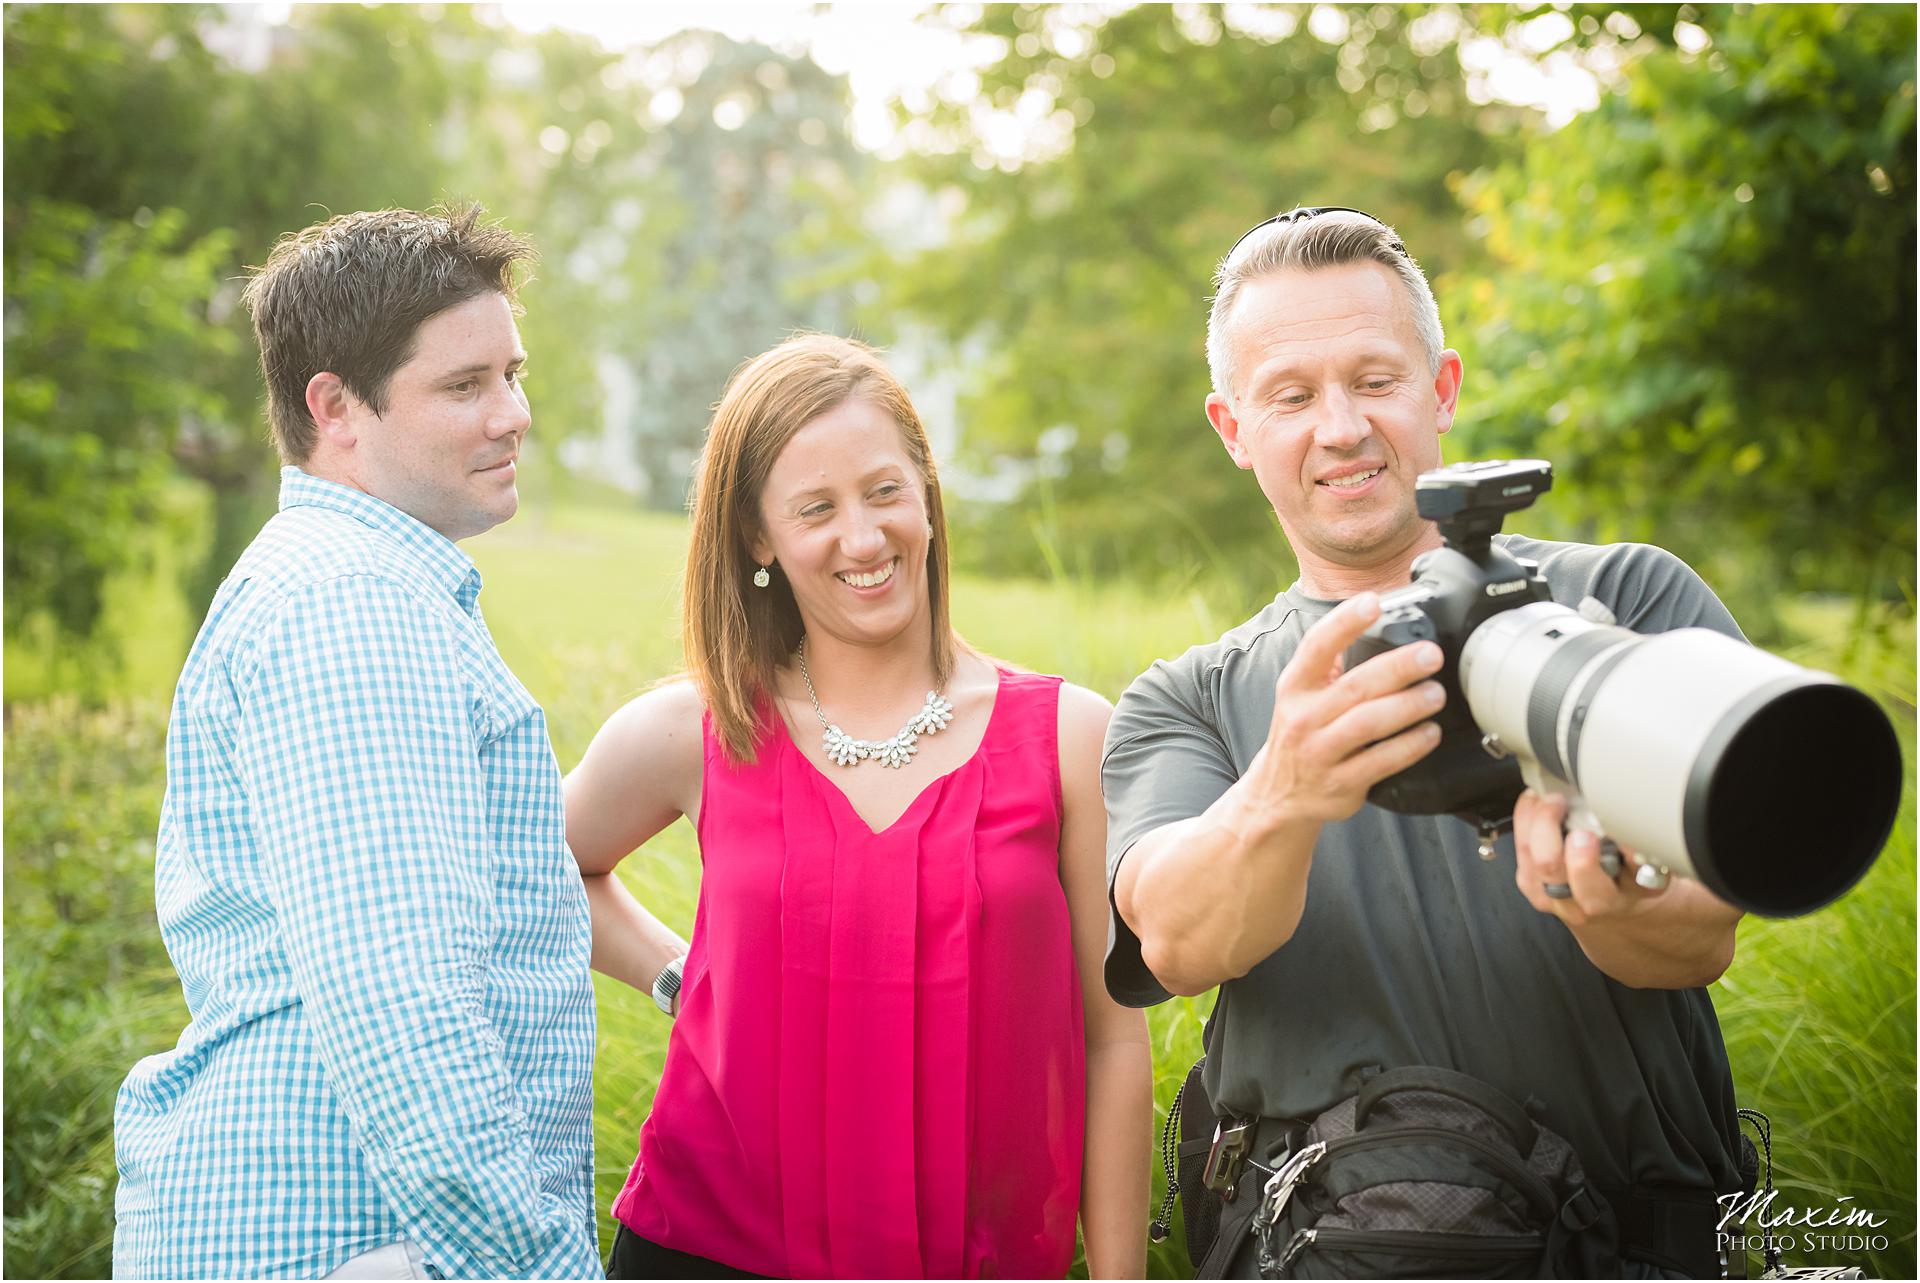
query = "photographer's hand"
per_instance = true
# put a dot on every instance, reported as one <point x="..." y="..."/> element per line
<point x="1674" y="937"/>
<point x="1212" y="896"/>
<point x="1335" y="734"/>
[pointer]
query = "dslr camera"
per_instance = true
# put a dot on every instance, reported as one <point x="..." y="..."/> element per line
<point x="1775" y="785"/>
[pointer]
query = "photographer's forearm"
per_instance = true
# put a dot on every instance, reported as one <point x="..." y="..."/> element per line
<point x="1212" y="896"/>
<point x="629" y="943"/>
<point x="1682" y="940"/>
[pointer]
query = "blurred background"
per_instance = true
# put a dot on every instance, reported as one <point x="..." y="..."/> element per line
<point x="1674" y="244"/>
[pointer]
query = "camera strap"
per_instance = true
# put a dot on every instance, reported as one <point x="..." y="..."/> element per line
<point x="1763" y="1128"/>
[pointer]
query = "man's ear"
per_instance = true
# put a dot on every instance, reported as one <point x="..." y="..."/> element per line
<point x="1446" y="389"/>
<point x="332" y="408"/>
<point x="1220" y="415"/>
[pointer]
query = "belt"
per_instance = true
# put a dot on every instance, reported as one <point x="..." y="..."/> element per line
<point x="1273" y="1142"/>
<point x="1675" y="1227"/>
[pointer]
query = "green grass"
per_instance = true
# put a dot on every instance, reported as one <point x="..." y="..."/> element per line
<point x="88" y="986"/>
<point x="1818" y="1016"/>
<point x="583" y="600"/>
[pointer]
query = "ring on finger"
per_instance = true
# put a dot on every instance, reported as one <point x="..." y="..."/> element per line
<point x="1557" y="890"/>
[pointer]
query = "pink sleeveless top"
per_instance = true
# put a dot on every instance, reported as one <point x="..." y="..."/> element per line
<point x="879" y="1068"/>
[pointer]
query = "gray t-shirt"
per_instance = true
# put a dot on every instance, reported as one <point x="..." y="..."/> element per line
<point x="1411" y="950"/>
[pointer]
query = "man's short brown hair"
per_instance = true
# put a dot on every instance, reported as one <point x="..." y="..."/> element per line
<point x="349" y="296"/>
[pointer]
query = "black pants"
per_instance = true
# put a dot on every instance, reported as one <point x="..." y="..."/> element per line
<point x="634" y="1257"/>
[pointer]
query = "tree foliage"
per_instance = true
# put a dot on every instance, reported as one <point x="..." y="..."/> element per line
<point x="1699" y="303"/>
<point x="1083" y="271"/>
<point x="107" y="330"/>
<point x="155" y="151"/>
<point x="105" y="338"/>
<point x="1696" y="300"/>
<point x="755" y="155"/>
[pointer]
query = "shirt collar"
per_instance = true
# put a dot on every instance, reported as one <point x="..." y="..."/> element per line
<point x="442" y="559"/>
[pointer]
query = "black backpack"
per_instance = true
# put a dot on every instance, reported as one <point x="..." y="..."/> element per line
<point x="1431" y="1173"/>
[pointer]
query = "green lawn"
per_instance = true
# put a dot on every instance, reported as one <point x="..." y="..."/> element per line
<point x="1818" y="1013"/>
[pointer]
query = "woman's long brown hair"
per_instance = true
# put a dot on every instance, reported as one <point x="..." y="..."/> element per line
<point x="737" y="636"/>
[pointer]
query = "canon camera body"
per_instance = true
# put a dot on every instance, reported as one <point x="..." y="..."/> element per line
<point x="1455" y="589"/>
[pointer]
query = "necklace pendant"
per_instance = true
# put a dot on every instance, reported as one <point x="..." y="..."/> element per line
<point x="898" y="751"/>
<point x="842" y="748"/>
<point x="934" y="716"/>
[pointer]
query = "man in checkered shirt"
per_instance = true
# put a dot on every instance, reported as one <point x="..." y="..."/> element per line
<point x="362" y="874"/>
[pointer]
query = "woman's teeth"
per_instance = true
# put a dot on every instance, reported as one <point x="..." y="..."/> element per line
<point x="871" y="580"/>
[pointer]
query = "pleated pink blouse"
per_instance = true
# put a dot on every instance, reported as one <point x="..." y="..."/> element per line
<point x="879" y="1069"/>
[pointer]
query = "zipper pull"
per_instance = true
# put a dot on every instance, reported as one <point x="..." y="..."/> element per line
<point x="1298" y="1244"/>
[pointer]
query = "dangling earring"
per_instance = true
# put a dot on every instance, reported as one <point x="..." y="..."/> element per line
<point x="761" y="578"/>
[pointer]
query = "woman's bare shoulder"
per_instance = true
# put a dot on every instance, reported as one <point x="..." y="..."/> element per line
<point x="655" y="729"/>
<point x="1083" y="726"/>
<point x="1080" y="707"/>
<point x="641" y="772"/>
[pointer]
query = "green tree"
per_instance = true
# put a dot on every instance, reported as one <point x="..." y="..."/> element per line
<point x="186" y="139"/>
<point x="1082" y="271"/>
<point x="756" y="156"/>
<point x="105" y="336"/>
<point x="107" y="302"/>
<point x="114" y="113"/>
<point x="154" y="151"/>
<point x="1700" y="304"/>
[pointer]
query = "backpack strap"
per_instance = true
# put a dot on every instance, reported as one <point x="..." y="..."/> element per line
<point x="1447" y="1082"/>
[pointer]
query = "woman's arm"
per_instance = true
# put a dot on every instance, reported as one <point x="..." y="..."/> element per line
<point x="640" y="774"/>
<point x="1118" y="1163"/>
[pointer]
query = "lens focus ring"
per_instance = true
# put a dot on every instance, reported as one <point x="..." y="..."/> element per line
<point x="1557" y="677"/>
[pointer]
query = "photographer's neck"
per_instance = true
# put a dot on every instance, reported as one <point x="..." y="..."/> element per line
<point x="1331" y="580"/>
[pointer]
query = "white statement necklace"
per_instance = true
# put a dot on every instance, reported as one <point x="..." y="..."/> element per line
<point x="844" y="750"/>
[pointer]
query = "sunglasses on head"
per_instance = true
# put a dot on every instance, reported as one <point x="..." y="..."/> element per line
<point x="1301" y="215"/>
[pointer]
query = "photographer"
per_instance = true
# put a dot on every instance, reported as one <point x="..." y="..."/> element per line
<point x="1346" y="939"/>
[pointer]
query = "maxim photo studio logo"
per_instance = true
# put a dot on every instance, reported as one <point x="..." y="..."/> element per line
<point x="1760" y="1222"/>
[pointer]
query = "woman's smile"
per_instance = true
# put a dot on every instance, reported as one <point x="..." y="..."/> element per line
<point x="869" y="582"/>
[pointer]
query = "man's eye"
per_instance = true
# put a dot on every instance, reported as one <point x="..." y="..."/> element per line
<point x="1377" y="385"/>
<point x="1296" y="398"/>
<point x="462" y="388"/>
<point x="816" y="510"/>
<point x="517" y="376"/>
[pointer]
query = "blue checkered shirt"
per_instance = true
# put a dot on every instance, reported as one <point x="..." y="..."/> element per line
<point x="364" y="883"/>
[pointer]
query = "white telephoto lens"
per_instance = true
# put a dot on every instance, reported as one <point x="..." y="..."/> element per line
<point x="1773" y="784"/>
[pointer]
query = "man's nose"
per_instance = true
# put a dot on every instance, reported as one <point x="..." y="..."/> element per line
<point x="1343" y="423"/>
<point x="509" y="412"/>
